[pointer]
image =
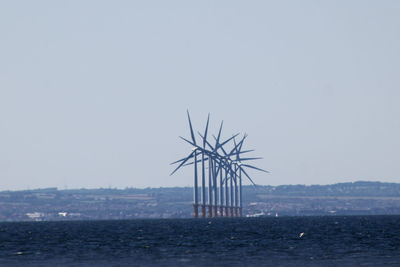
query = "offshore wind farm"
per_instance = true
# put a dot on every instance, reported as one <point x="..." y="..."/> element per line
<point x="100" y="165"/>
<point x="221" y="165"/>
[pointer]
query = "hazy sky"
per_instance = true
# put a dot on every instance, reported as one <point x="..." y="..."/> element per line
<point x="94" y="93"/>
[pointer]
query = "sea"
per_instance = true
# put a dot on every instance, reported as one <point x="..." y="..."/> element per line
<point x="270" y="241"/>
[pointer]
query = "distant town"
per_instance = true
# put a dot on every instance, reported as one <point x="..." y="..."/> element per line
<point x="51" y="204"/>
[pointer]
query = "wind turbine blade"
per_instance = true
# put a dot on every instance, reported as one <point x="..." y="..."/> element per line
<point x="245" y="136"/>
<point x="245" y="173"/>
<point x="221" y="145"/>
<point x="212" y="148"/>
<point x="198" y="161"/>
<point x="240" y="152"/>
<point x="218" y="145"/>
<point x="184" y="139"/>
<point x="223" y="150"/>
<point x="182" y="159"/>
<point x="234" y="143"/>
<point x="196" y="146"/>
<point x="183" y="162"/>
<point x="219" y="134"/>
<point x="244" y="159"/>
<point x="252" y="167"/>
<point x="219" y="168"/>
<point x="191" y="128"/>
<point x="246" y="151"/>
<point x="206" y="131"/>
<point x="240" y="147"/>
<point x="235" y="148"/>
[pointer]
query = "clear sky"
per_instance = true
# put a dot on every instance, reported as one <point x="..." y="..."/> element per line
<point x="94" y="93"/>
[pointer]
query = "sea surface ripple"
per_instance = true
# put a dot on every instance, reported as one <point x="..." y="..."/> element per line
<point x="283" y="241"/>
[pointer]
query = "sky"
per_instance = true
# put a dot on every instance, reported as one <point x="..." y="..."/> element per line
<point x="94" y="93"/>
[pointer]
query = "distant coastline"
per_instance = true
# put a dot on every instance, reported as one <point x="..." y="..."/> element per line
<point x="49" y="204"/>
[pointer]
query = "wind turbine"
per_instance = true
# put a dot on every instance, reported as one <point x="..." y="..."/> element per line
<point x="230" y="193"/>
<point x="183" y="161"/>
<point x="203" y="153"/>
<point x="240" y="165"/>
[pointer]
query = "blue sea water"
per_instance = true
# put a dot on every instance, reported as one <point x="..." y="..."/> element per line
<point x="326" y="241"/>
